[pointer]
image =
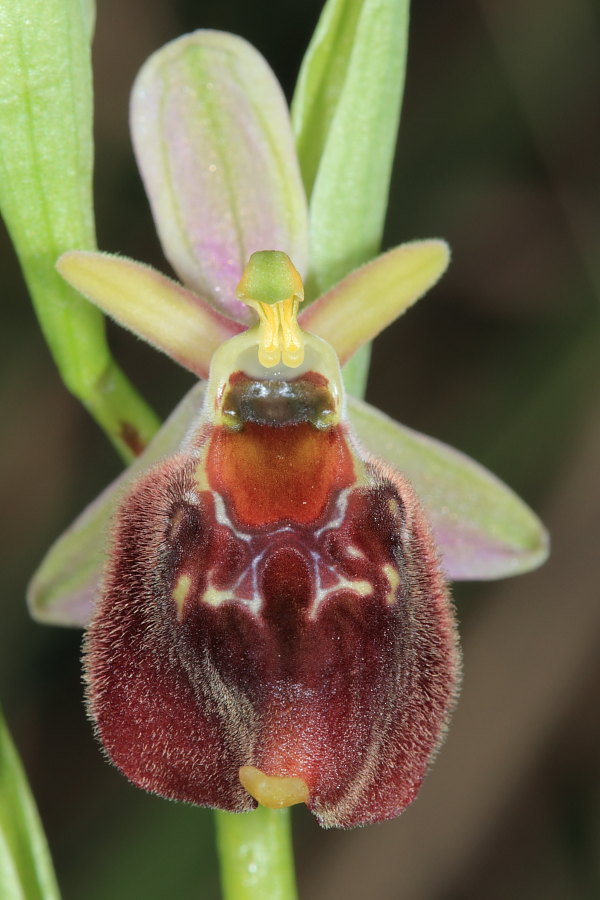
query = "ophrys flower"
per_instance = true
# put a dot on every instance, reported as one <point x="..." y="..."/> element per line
<point x="273" y="620"/>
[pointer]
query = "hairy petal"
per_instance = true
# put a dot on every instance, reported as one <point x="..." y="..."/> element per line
<point x="65" y="585"/>
<point x="483" y="530"/>
<point x="151" y="305"/>
<point x="365" y="302"/>
<point x="214" y="144"/>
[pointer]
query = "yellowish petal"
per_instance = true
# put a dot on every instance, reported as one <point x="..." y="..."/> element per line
<point x="151" y="305"/>
<point x="369" y="299"/>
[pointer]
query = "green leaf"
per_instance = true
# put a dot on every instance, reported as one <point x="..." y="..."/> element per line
<point x="26" y="871"/>
<point x="64" y="587"/>
<point x="345" y="114"/>
<point x="483" y="530"/>
<point x="46" y="155"/>
<point x="214" y="144"/>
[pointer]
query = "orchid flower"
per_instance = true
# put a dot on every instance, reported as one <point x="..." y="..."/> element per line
<point x="265" y="586"/>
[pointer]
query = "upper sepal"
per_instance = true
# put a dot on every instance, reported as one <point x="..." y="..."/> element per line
<point x="213" y="140"/>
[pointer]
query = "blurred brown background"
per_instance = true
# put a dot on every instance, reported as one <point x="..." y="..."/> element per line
<point x="498" y="153"/>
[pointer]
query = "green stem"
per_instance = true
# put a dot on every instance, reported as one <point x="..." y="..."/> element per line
<point x="256" y="855"/>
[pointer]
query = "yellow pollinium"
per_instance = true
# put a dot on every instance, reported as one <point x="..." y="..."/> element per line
<point x="273" y="791"/>
<point x="272" y="286"/>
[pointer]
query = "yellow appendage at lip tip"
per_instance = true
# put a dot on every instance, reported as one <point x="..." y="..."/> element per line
<point x="272" y="286"/>
<point x="273" y="791"/>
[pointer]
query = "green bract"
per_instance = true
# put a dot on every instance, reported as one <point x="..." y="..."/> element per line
<point x="345" y="114"/>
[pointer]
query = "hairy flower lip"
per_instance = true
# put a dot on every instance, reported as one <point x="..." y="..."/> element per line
<point x="241" y="637"/>
<point x="263" y="586"/>
<point x="213" y="691"/>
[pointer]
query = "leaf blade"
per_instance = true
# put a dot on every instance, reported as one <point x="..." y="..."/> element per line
<point x="46" y="160"/>
<point x="26" y="871"/>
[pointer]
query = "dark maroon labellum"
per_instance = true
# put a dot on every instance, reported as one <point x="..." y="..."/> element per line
<point x="273" y="604"/>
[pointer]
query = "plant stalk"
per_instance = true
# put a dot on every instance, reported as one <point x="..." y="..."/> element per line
<point x="256" y="855"/>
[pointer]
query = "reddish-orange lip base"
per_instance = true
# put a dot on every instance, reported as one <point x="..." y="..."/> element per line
<point x="269" y="474"/>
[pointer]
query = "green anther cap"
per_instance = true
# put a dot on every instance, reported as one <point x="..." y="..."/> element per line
<point x="270" y="277"/>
